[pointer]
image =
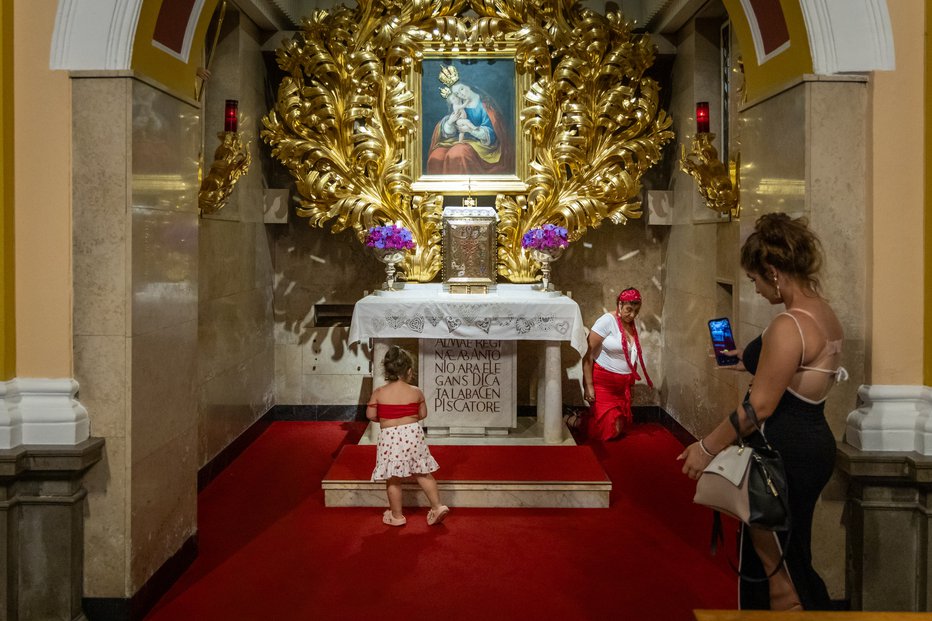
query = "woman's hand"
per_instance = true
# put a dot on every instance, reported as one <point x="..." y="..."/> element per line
<point x="694" y="460"/>
<point x="589" y="395"/>
<point x="736" y="353"/>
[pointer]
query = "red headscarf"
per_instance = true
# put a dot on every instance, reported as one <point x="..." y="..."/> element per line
<point x="632" y="295"/>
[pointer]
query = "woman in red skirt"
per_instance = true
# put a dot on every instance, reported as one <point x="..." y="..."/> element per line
<point x="610" y="368"/>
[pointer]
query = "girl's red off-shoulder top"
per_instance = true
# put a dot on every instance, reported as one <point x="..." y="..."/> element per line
<point x="389" y="411"/>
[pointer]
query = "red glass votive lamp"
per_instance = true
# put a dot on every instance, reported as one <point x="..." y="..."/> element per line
<point x="702" y="117"/>
<point x="230" y="115"/>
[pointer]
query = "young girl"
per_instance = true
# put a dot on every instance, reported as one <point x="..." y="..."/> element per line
<point x="402" y="452"/>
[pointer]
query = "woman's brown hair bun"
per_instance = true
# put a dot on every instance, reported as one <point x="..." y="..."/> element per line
<point x="786" y="244"/>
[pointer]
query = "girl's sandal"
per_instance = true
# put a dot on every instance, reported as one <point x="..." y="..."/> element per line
<point x="391" y="520"/>
<point x="436" y="517"/>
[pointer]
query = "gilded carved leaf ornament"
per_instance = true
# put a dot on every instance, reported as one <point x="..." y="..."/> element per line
<point x="346" y="111"/>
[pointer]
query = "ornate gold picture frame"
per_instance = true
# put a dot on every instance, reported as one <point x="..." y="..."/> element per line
<point x="463" y="90"/>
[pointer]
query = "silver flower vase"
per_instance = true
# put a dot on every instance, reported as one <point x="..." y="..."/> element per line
<point x="390" y="257"/>
<point x="545" y="258"/>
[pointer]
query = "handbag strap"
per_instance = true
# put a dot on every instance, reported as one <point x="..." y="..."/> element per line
<point x="718" y="537"/>
<point x="752" y="416"/>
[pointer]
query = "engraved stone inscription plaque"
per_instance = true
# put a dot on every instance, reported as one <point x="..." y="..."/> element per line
<point x="469" y="386"/>
<point x="468" y="248"/>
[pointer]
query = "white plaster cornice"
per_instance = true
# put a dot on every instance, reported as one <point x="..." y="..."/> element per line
<point x="849" y="35"/>
<point x="892" y="418"/>
<point x="41" y="411"/>
<point x="94" y="34"/>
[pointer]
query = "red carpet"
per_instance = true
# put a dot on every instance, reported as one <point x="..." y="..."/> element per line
<point x="484" y="463"/>
<point x="270" y="550"/>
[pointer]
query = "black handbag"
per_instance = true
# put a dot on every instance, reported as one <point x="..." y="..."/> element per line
<point x="747" y="481"/>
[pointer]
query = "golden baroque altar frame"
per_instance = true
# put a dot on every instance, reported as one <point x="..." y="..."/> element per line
<point x="348" y="119"/>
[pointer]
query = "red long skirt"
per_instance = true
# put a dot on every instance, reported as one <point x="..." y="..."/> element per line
<point x="612" y="401"/>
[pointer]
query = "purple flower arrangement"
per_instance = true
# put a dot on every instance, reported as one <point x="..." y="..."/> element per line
<point x="546" y="238"/>
<point x="390" y="237"/>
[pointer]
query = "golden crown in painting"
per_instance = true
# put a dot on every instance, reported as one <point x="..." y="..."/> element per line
<point x="449" y="75"/>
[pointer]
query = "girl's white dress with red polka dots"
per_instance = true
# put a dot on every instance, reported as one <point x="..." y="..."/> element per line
<point x="402" y="452"/>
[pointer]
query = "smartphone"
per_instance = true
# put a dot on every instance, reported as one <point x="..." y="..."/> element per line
<point x="722" y="339"/>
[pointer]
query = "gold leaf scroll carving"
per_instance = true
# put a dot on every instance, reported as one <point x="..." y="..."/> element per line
<point x="345" y="111"/>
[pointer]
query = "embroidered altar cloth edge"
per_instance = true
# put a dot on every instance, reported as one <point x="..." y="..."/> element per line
<point x="511" y="313"/>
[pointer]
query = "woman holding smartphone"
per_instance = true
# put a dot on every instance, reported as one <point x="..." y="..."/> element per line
<point x="795" y="363"/>
<point x="610" y="368"/>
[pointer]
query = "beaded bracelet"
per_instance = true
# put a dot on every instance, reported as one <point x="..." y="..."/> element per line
<point x="704" y="449"/>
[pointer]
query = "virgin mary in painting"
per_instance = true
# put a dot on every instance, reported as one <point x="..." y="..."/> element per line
<point x="472" y="138"/>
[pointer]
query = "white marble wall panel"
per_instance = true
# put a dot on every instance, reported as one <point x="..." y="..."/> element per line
<point x="289" y="380"/>
<point x="164" y="367"/>
<point x="104" y="379"/>
<point x="314" y="266"/>
<point x="230" y="402"/>
<point x="774" y="156"/>
<point x="327" y="352"/>
<point x="163" y="490"/>
<point x="839" y="207"/>
<point x="231" y="329"/>
<point x="135" y="329"/>
<point x="236" y="359"/>
<point x="101" y="142"/>
<point x="105" y="522"/>
<point x="335" y="389"/>
<point x="100" y="228"/>
<point x="164" y="268"/>
<point x="227" y="248"/>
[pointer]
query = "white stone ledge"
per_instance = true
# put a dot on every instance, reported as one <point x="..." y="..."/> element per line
<point x="41" y="411"/>
<point x="892" y="418"/>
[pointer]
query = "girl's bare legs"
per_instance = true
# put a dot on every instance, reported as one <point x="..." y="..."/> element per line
<point x="782" y="592"/>
<point x="393" y="489"/>
<point x="429" y="484"/>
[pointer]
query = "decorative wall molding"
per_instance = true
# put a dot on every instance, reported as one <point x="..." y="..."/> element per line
<point x="41" y="411"/>
<point x="849" y="35"/>
<point x="892" y="418"/>
<point x="844" y="35"/>
<point x="11" y="422"/>
<point x="94" y="35"/>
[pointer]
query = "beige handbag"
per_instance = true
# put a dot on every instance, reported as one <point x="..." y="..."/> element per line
<point x="723" y="485"/>
<point x="747" y="482"/>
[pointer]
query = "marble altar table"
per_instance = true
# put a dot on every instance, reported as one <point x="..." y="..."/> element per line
<point x="509" y="313"/>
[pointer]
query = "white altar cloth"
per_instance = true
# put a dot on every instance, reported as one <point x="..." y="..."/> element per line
<point x="510" y="313"/>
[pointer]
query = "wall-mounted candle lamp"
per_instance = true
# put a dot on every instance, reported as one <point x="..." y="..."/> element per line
<point x="718" y="184"/>
<point x="230" y="115"/>
<point x="702" y="117"/>
<point x="231" y="161"/>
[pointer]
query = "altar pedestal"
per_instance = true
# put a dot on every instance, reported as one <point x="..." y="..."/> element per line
<point x="510" y="313"/>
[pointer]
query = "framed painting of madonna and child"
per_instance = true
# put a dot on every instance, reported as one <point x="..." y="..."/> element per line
<point x="468" y="135"/>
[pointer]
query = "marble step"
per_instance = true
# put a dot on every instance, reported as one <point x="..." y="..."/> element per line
<point x="480" y="476"/>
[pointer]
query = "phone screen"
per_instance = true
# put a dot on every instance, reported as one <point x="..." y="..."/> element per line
<point x="722" y="339"/>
